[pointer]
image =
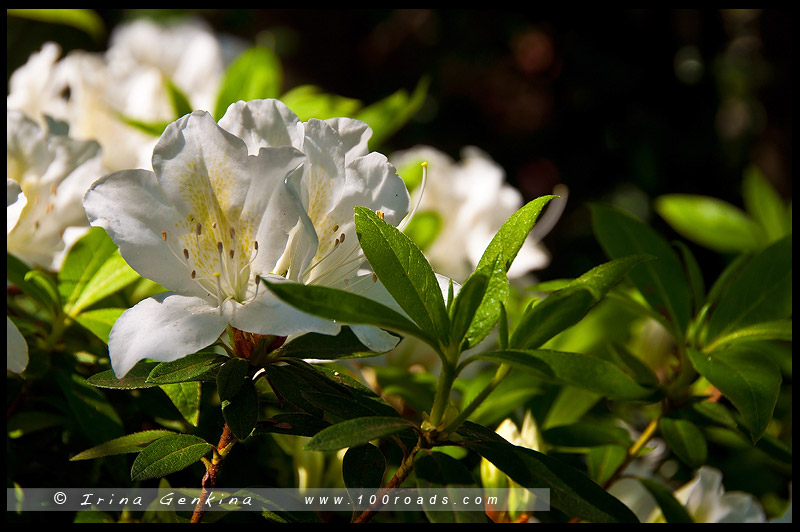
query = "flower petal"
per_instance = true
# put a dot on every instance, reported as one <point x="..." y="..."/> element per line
<point x="165" y="327"/>
<point x="16" y="348"/>
<point x="355" y="136"/>
<point x="263" y="123"/>
<point x="374" y="338"/>
<point x="132" y="208"/>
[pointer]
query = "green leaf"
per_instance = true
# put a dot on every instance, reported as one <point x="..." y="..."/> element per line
<point x="256" y="74"/>
<point x="761" y="292"/>
<point x="566" y="307"/>
<point x="586" y="435"/>
<point x="197" y="366"/>
<point x="424" y="228"/>
<point x="404" y="271"/>
<point x="327" y="347"/>
<point x="435" y="470"/>
<point x="296" y="424"/>
<point x="362" y="469"/>
<point x="86" y="20"/>
<point x="230" y="377"/>
<point x="661" y="282"/>
<point x="694" y="275"/>
<point x="578" y="369"/>
<point x="344" y="307"/>
<point x="388" y="115"/>
<point x="100" y="321"/>
<point x="765" y="205"/>
<point x="135" y="378"/>
<point x="93" y="414"/>
<point x="241" y="410"/>
<point x="748" y="379"/>
<point x="154" y="129"/>
<point x="602" y="461"/>
<point x="674" y="511"/>
<point x="309" y="101"/>
<point x="357" y="431"/>
<point x="638" y="370"/>
<point x="167" y="455"/>
<point x="685" y="440"/>
<point x="771" y="330"/>
<point x="17" y="274"/>
<point x="710" y="222"/>
<point x="716" y="413"/>
<point x="570" y="490"/>
<point x="131" y="443"/>
<point x="93" y="269"/>
<point x="27" y="422"/>
<point x="180" y="102"/>
<point x="466" y="304"/>
<point x="186" y="398"/>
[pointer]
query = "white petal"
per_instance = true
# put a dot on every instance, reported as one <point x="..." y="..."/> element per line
<point x="355" y="136"/>
<point x="266" y="314"/>
<point x="165" y="327"/>
<point x="16" y="348"/>
<point x="374" y="338"/>
<point x="263" y="123"/>
<point x="131" y="206"/>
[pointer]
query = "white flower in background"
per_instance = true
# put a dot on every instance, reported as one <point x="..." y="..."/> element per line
<point x="707" y="501"/>
<point x="16" y="348"/>
<point x="259" y="196"/>
<point x="492" y="478"/>
<point x="92" y="92"/>
<point x="472" y="201"/>
<point x="47" y="177"/>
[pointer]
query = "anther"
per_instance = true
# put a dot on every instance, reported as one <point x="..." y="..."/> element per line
<point x="255" y="245"/>
<point x="341" y="237"/>
<point x="164" y="236"/>
<point x="53" y="189"/>
<point x="198" y="230"/>
<point x="194" y="274"/>
<point x="374" y="277"/>
<point x="213" y="225"/>
<point x="219" y="247"/>
<point x="335" y="228"/>
<point x="231" y="254"/>
<point x="233" y="233"/>
<point x="185" y="253"/>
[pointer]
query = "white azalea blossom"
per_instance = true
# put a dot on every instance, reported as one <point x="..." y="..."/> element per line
<point x="473" y="200"/>
<point x="707" y="501"/>
<point x="95" y="93"/>
<point x="261" y="195"/>
<point x="47" y="177"/>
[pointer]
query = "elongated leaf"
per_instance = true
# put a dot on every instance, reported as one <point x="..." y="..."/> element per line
<point x="673" y="511"/>
<point x="241" y="410"/>
<point x="186" y="398"/>
<point x="602" y="461"/>
<point x="135" y="378"/>
<point x="93" y="414"/>
<point x="180" y="102"/>
<point x="197" y="366"/>
<point x="404" y="271"/>
<point x="489" y="309"/>
<point x="710" y="222"/>
<point x="761" y="292"/>
<point x="685" y="440"/>
<point x="86" y="20"/>
<point x="355" y="432"/>
<point x="296" y="424"/>
<point x="586" y="435"/>
<point x="771" y="330"/>
<point x="566" y="307"/>
<point x="748" y="379"/>
<point x="43" y="286"/>
<point x="435" y="470"/>
<point x="765" y="205"/>
<point x="167" y="455"/>
<point x="388" y="115"/>
<point x="570" y="490"/>
<point x="93" y="269"/>
<point x="466" y="304"/>
<point x="694" y="275"/>
<point x="661" y="282"/>
<point x="131" y="443"/>
<point x="255" y="74"/>
<point x="578" y="369"/>
<point x="16" y="273"/>
<point x="309" y="101"/>
<point x="100" y="321"/>
<point x="345" y="307"/>
<point x="327" y="347"/>
<point x="230" y="377"/>
<point x="362" y="469"/>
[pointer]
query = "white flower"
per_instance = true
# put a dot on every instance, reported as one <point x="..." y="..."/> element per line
<point x="16" y="348"/>
<point x="707" y="501"/>
<point x="472" y="201"/>
<point x="47" y="177"/>
<point x="259" y="196"/>
<point x="92" y="92"/>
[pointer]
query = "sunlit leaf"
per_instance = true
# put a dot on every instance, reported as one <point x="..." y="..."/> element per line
<point x="255" y="74"/>
<point x="131" y="443"/>
<point x="167" y="455"/>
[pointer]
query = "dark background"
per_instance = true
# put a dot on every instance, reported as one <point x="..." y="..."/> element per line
<point x="619" y="105"/>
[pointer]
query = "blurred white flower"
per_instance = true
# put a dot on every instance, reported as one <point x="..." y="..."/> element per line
<point x="95" y="93"/>
<point x="707" y="501"/>
<point x="471" y="200"/>
<point x="16" y="348"/>
<point x="47" y="177"/>
<point x="260" y="195"/>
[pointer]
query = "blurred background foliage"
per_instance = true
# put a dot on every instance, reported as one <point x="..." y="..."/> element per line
<point x="622" y="106"/>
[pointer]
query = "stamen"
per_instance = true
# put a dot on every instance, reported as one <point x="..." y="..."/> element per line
<point x="217" y="275"/>
<point x="198" y="230"/>
<point x="213" y="225"/>
<point x="233" y="233"/>
<point x="335" y="228"/>
<point x="53" y="189"/>
<point x="164" y="236"/>
<point x="407" y="220"/>
<point x="258" y="282"/>
<point x="231" y="254"/>
<point x="186" y="253"/>
<point x="194" y="274"/>
<point x="341" y="237"/>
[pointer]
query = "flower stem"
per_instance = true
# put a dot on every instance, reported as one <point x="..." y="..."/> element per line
<point x="499" y="375"/>
<point x="634" y="450"/>
<point x="442" y="397"/>
<point x="226" y="441"/>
